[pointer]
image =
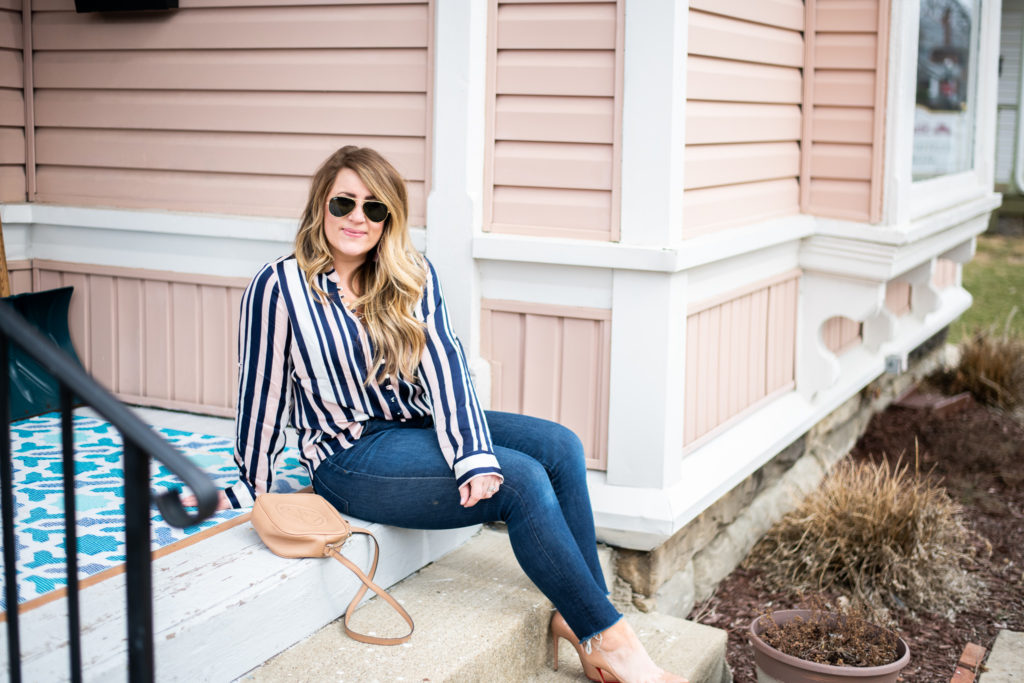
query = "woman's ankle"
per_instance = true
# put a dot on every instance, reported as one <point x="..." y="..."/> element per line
<point x="620" y="634"/>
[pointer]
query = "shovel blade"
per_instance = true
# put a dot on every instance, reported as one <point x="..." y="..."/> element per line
<point x="33" y="390"/>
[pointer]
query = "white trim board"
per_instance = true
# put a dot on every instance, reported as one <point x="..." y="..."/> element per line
<point x="199" y="244"/>
<point x="235" y="246"/>
<point x="207" y="244"/>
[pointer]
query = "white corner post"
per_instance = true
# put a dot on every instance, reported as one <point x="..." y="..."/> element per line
<point x="455" y="203"/>
<point x="901" y="84"/>
<point x="648" y="347"/>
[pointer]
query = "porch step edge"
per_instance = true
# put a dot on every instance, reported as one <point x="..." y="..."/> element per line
<point x="478" y="618"/>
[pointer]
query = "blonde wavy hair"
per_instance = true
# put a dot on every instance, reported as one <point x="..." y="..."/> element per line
<point x="392" y="276"/>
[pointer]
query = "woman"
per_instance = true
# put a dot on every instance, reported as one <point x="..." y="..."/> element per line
<point x="349" y="338"/>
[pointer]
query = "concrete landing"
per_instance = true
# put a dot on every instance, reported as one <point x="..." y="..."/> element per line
<point x="478" y="618"/>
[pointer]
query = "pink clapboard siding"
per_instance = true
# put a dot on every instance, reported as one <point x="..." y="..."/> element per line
<point x="226" y="106"/>
<point x="840" y="334"/>
<point x="12" y="103"/>
<point x="743" y="115"/>
<point x="945" y="273"/>
<point x="154" y="338"/>
<point x="551" y="362"/>
<point x="740" y="350"/>
<point x="844" y="100"/>
<point x="554" y="105"/>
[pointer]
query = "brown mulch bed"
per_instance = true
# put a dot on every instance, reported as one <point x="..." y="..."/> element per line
<point x="978" y="452"/>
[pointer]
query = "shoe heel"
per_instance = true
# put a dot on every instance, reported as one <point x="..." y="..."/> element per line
<point x="554" y="651"/>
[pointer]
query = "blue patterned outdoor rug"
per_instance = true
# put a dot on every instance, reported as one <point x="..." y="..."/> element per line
<point x="39" y="496"/>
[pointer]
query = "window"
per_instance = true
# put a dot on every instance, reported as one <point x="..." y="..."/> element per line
<point x="944" y="116"/>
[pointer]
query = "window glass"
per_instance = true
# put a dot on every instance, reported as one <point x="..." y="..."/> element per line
<point x="946" y="66"/>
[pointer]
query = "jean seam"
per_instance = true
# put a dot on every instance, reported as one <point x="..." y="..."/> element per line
<point x="379" y="477"/>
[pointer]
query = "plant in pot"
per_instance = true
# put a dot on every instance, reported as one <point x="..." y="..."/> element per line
<point x="887" y="539"/>
<point x="818" y="646"/>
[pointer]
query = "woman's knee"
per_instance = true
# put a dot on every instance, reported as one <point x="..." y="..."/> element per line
<point x="543" y="439"/>
<point x="568" y="442"/>
<point x="526" y="480"/>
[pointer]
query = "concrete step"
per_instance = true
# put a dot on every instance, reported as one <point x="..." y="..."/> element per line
<point x="693" y="650"/>
<point x="478" y="618"/>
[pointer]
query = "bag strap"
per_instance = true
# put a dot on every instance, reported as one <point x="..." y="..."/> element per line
<point x="368" y="583"/>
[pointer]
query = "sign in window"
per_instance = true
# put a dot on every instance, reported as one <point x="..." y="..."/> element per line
<point x="946" y="73"/>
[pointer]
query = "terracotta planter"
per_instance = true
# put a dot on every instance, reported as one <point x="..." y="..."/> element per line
<point x="775" y="667"/>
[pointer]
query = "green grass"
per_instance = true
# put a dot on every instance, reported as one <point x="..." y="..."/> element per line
<point x="995" y="278"/>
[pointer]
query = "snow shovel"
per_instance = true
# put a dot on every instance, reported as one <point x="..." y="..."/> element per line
<point x="33" y="390"/>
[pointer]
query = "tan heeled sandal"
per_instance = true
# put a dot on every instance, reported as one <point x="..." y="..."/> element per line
<point x="594" y="666"/>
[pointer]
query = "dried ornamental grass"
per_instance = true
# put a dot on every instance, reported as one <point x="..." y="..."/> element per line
<point x="886" y="537"/>
<point x="991" y="367"/>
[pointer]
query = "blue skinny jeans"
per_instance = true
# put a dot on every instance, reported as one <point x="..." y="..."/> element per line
<point x="395" y="474"/>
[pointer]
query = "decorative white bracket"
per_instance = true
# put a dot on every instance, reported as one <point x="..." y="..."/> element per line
<point x="825" y="297"/>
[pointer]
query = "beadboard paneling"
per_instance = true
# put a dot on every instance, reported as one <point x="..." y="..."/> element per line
<point x="740" y="350"/>
<point x="945" y="274"/>
<point x="840" y="334"/>
<point x="153" y="338"/>
<point x="551" y="362"/>
<point x="897" y="298"/>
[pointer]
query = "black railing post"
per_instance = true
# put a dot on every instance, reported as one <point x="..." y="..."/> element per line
<point x="7" y="502"/>
<point x="138" y="564"/>
<point x="141" y="444"/>
<point x="70" y="532"/>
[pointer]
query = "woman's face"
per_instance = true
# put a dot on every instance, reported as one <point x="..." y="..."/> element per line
<point x="353" y="235"/>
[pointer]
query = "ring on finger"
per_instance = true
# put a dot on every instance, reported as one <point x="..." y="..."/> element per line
<point x="493" y="489"/>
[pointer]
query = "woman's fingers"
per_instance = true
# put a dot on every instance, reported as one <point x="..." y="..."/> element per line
<point x="189" y="500"/>
<point x="480" y="488"/>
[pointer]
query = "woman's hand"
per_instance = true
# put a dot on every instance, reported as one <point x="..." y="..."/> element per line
<point x="478" y="488"/>
<point x="189" y="501"/>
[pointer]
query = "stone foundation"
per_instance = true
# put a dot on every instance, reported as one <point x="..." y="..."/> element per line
<point x="685" y="569"/>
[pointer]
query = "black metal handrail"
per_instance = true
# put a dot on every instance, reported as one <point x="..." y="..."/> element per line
<point x="140" y="444"/>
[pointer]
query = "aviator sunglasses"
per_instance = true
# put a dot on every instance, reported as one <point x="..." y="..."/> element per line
<point x="373" y="210"/>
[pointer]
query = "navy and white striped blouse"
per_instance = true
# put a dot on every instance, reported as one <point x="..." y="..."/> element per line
<point x="308" y="361"/>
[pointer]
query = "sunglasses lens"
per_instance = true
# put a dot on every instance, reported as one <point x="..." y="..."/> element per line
<point x="375" y="211"/>
<point x="341" y="206"/>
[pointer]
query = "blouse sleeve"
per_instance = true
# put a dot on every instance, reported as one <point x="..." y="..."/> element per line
<point x="264" y="336"/>
<point x="458" y="419"/>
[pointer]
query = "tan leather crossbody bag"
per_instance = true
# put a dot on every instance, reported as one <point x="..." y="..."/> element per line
<point x="306" y="525"/>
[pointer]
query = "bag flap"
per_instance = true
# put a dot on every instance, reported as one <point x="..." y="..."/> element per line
<point x="297" y="516"/>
